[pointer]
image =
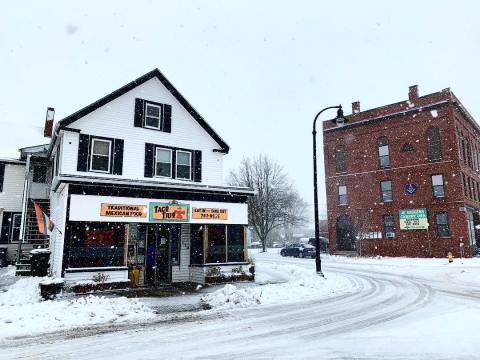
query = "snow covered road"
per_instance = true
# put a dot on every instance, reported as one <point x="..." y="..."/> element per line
<point x="398" y="309"/>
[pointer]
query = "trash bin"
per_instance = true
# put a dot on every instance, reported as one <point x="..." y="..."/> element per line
<point x="3" y="257"/>
<point x="39" y="262"/>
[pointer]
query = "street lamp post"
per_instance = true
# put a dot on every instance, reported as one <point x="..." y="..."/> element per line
<point x="340" y="119"/>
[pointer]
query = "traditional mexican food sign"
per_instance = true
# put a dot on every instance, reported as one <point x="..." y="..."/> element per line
<point x="413" y="219"/>
<point x="169" y="212"/>
<point x="123" y="210"/>
<point x="209" y="213"/>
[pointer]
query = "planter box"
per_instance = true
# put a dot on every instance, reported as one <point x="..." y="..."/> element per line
<point x="230" y="278"/>
<point x="50" y="290"/>
<point x="92" y="287"/>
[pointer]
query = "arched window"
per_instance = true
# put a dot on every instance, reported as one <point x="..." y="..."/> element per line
<point x="340" y="159"/>
<point x="434" y="151"/>
<point x="383" y="152"/>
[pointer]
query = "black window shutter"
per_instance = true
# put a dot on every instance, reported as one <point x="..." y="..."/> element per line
<point x="197" y="166"/>
<point x="117" y="157"/>
<point x="139" y="109"/>
<point x="167" y="118"/>
<point x="174" y="163"/>
<point x="83" y="150"/>
<point x="4" y="235"/>
<point x="2" y="176"/>
<point x="149" y="158"/>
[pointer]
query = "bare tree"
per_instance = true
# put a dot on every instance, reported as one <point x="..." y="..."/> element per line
<point x="276" y="203"/>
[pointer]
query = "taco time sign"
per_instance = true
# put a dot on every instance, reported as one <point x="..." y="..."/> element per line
<point x="169" y="212"/>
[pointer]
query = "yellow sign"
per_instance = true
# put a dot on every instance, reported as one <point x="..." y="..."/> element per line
<point x="209" y="213"/>
<point x="168" y="212"/>
<point x="123" y="210"/>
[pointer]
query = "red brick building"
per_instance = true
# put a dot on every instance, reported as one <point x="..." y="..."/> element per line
<point x="418" y="160"/>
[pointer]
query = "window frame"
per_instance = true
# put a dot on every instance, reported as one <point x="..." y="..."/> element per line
<point x="171" y="162"/>
<point x="433" y="130"/>
<point x="36" y="166"/>
<point x="382" y="199"/>
<point x="12" y="228"/>
<point x="437" y="232"/>
<point x="339" y="196"/>
<point x="385" y="226"/>
<point x="92" y="146"/>
<point x="339" y="169"/>
<point x="160" y="116"/>
<point x="435" y="186"/>
<point x="379" y="157"/>
<point x="190" y="165"/>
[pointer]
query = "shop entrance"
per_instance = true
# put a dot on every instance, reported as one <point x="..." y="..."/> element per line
<point x="160" y="238"/>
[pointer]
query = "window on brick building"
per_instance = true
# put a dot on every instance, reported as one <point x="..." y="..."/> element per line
<point x="340" y="160"/>
<point x="434" y="151"/>
<point x="388" y="226"/>
<point x="442" y="228"/>
<point x="342" y="195"/>
<point x="386" y="193"/>
<point x="465" y="186"/>
<point x="438" y="186"/>
<point x="383" y="152"/>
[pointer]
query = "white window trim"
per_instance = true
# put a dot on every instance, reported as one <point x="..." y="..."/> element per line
<point x="160" y="113"/>
<point x="176" y="165"/>
<point x="109" y="155"/>
<point x="171" y="161"/>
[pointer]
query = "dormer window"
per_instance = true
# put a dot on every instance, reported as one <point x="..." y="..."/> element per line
<point x="153" y="116"/>
<point x="100" y="155"/>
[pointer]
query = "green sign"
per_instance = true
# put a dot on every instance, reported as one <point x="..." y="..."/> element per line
<point x="413" y="219"/>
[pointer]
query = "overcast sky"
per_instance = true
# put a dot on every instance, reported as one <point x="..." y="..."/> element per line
<point x="257" y="72"/>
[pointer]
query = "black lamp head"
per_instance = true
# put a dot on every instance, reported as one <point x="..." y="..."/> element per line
<point x="340" y="120"/>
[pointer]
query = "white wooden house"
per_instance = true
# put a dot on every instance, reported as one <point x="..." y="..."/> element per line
<point x="138" y="182"/>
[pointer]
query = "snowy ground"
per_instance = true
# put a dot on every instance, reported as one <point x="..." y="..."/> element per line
<point x="378" y="308"/>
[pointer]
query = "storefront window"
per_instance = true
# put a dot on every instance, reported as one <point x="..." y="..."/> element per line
<point x="96" y="244"/>
<point x="216" y="244"/>
<point x="196" y="247"/>
<point x="235" y="243"/>
<point x="175" y="244"/>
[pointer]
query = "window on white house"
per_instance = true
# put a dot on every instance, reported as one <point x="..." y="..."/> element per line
<point x="438" y="188"/>
<point x="342" y="195"/>
<point x="100" y="155"/>
<point x="39" y="174"/>
<point x="163" y="162"/>
<point x="184" y="165"/>
<point x="153" y="116"/>
<point x="16" y="222"/>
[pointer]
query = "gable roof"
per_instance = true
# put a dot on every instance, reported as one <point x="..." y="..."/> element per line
<point x="142" y="79"/>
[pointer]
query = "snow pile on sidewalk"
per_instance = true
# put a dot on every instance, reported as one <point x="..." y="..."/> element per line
<point x="298" y="283"/>
<point x="22" y="312"/>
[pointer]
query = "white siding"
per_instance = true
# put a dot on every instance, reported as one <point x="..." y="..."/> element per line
<point x="197" y="274"/>
<point x="58" y="213"/>
<point x="12" y="194"/>
<point x="117" y="275"/>
<point x="115" y="120"/>
<point x="182" y="273"/>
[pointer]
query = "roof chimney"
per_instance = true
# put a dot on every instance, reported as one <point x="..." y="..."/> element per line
<point x="355" y="107"/>
<point x="47" y="130"/>
<point x="413" y="93"/>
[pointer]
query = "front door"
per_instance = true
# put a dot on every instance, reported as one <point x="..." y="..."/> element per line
<point x="158" y="255"/>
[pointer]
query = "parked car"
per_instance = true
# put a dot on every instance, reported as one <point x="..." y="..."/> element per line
<point x="299" y="250"/>
<point x="255" y="245"/>
<point x="323" y="243"/>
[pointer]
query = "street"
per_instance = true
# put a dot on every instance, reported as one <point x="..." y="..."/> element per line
<point x="399" y="308"/>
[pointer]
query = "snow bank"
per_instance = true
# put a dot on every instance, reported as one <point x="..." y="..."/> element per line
<point x="298" y="284"/>
<point x="22" y="312"/>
